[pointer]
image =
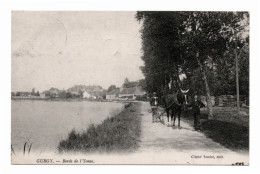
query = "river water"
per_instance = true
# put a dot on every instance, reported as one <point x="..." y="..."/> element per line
<point x="44" y="123"/>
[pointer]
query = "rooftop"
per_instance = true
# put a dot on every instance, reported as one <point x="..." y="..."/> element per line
<point x="135" y="90"/>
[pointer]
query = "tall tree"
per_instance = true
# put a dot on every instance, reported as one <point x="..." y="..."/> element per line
<point x="160" y="49"/>
<point x="185" y="42"/>
<point x="111" y="87"/>
<point x="129" y="84"/>
<point x="33" y="92"/>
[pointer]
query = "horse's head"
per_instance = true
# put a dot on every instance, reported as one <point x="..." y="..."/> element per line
<point x="184" y="94"/>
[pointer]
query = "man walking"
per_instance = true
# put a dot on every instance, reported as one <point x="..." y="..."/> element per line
<point x="154" y="105"/>
<point x="196" y="105"/>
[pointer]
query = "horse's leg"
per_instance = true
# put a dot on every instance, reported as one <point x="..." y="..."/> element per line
<point x="173" y="115"/>
<point x="179" y="117"/>
<point x="168" y="114"/>
<point x="153" y="115"/>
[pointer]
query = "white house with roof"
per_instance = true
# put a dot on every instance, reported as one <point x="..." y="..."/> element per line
<point x="113" y="95"/>
<point x="88" y="95"/>
<point x="130" y="93"/>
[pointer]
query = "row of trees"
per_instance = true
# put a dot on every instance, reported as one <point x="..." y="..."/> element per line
<point x="63" y="95"/>
<point x="33" y="93"/>
<point x="198" y="47"/>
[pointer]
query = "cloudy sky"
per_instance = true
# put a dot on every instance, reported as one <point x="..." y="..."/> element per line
<point x="61" y="49"/>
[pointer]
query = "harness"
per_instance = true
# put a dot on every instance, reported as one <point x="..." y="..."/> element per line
<point x="175" y="100"/>
<point x="170" y="105"/>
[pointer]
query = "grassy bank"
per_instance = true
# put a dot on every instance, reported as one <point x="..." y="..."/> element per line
<point x="119" y="133"/>
<point x="231" y="133"/>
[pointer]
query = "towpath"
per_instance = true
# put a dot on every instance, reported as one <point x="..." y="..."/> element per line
<point x="182" y="145"/>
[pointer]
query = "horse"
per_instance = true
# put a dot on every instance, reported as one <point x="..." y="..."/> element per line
<point x="174" y="103"/>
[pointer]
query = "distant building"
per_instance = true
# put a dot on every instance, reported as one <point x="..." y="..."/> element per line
<point x="113" y="95"/>
<point x="130" y="93"/>
<point x="96" y="92"/>
<point x="53" y="93"/>
<point x="86" y="94"/>
<point x="94" y="88"/>
<point x="23" y="94"/>
<point x="42" y="95"/>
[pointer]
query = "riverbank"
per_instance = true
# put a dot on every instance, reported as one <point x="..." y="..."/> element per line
<point x="119" y="133"/>
<point x="73" y="99"/>
<point x="58" y="99"/>
<point x="45" y="123"/>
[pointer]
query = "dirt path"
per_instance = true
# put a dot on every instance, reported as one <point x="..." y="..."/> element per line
<point x="159" y="138"/>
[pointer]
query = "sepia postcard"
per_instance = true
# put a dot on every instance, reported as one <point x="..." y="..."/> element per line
<point x="130" y="87"/>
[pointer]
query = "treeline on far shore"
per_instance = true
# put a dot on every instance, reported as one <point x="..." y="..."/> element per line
<point x="78" y="99"/>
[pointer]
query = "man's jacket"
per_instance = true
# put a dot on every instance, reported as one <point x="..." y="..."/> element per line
<point x="196" y="105"/>
<point x="154" y="101"/>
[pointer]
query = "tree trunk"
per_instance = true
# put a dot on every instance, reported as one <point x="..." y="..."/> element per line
<point x="178" y="81"/>
<point x="172" y="83"/>
<point x="204" y="77"/>
<point x="166" y="84"/>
